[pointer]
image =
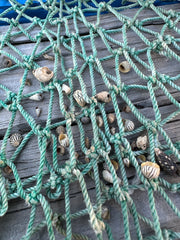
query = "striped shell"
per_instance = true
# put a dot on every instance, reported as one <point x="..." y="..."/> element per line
<point x="114" y="163"/>
<point x="126" y="162"/>
<point x="124" y="67"/>
<point x="15" y="139"/>
<point x="128" y="125"/>
<point x="36" y="97"/>
<point x="111" y="117"/>
<point x="103" y="97"/>
<point x="78" y="96"/>
<point x="63" y="140"/>
<point x="66" y="89"/>
<point x="105" y="214"/>
<point x="142" y="142"/>
<point x="150" y="170"/>
<point x="108" y="177"/>
<point x="43" y="74"/>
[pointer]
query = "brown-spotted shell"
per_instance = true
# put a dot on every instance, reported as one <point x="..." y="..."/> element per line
<point x="15" y="139"/>
<point x="127" y="109"/>
<point x="103" y="96"/>
<point x="38" y="111"/>
<point x="6" y="62"/>
<point x="78" y="96"/>
<point x="113" y="130"/>
<point x="43" y="74"/>
<point x="128" y="125"/>
<point x="124" y="67"/>
<point x="108" y="177"/>
<point x="63" y="140"/>
<point x="111" y="117"/>
<point x="87" y="142"/>
<point x="150" y="170"/>
<point x="142" y="142"/>
<point x="27" y="82"/>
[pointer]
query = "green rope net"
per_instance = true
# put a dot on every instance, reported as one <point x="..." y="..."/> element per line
<point x="61" y="30"/>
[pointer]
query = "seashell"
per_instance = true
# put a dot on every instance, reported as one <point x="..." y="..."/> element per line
<point x="61" y="150"/>
<point x="111" y="117"/>
<point x="48" y="57"/>
<point x="87" y="143"/>
<point x="142" y="142"/>
<point x="76" y="155"/>
<point x="27" y="82"/>
<point x="103" y="97"/>
<point x="63" y="140"/>
<point x="133" y="145"/>
<point x="87" y="160"/>
<point x="6" y="62"/>
<point x="128" y="125"/>
<point x="7" y="170"/>
<point x="127" y="109"/>
<point x="99" y="121"/>
<point x="108" y="177"/>
<point x="124" y="67"/>
<point x="105" y="214"/>
<point x="113" y="130"/>
<point x="85" y="120"/>
<point x="15" y="139"/>
<point x="141" y="158"/>
<point x="126" y="162"/>
<point x="150" y="170"/>
<point x="38" y="111"/>
<point x="66" y="89"/>
<point x="65" y="107"/>
<point x="78" y="96"/>
<point x="60" y="130"/>
<point x="36" y="97"/>
<point x="43" y="74"/>
<point x="114" y="163"/>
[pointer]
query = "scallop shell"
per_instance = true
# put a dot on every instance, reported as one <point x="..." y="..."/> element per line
<point x="128" y="125"/>
<point x="85" y="120"/>
<point x="43" y="74"/>
<point x="150" y="170"/>
<point x="36" y="97"/>
<point x="105" y="214"/>
<point x="142" y="142"/>
<point x="108" y="177"/>
<point x="124" y="67"/>
<point x="111" y="117"/>
<point x="114" y="163"/>
<point x="61" y="150"/>
<point x="15" y="139"/>
<point x="104" y="97"/>
<point x="63" y="140"/>
<point x="66" y="89"/>
<point x="38" y="111"/>
<point x="99" y="121"/>
<point x="126" y="162"/>
<point x="60" y="130"/>
<point x="78" y="96"/>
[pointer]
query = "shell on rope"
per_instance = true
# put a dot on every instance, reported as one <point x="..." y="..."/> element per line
<point x="63" y="140"/>
<point x="127" y="109"/>
<point x="103" y="96"/>
<point x="108" y="177"/>
<point x="78" y="96"/>
<point x="60" y="129"/>
<point x="99" y="121"/>
<point x="126" y="162"/>
<point x="113" y="130"/>
<point x="150" y="170"/>
<point x="124" y="67"/>
<point x="6" y="62"/>
<point x="7" y="170"/>
<point x="128" y="125"/>
<point x="87" y="142"/>
<point x="38" y="111"/>
<point x="36" y="97"/>
<point x="66" y="89"/>
<point x="27" y="82"/>
<point x="111" y="117"/>
<point x="114" y="163"/>
<point x="43" y="74"/>
<point x="105" y="214"/>
<point x="15" y="139"/>
<point x="142" y="142"/>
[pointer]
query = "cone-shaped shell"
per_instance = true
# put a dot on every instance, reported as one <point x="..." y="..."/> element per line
<point x="124" y="67"/>
<point x="27" y="82"/>
<point x="43" y="74"/>
<point x="78" y="96"/>
<point x="126" y="162"/>
<point x="103" y="97"/>
<point x="38" y="111"/>
<point x="99" y="121"/>
<point x="111" y="117"/>
<point x="36" y="97"/>
<point x="150" y="170"/>
<point x="15" y="139"/>
<point x="66" y="89"/>
<point x="108" y="177"/>
<point x="63" y="140"/>
<point x="128" y="125"/>
<point x="142" y="142"/>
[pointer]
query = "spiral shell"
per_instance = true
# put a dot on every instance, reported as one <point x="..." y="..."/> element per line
<point x="43" y="74"/>
<point x="114" y="163"/>
<point x="124" y="67"/>
<point x="103" y="97"/>
<point x="108" y="177"/>
<point x="38" y="111"/>
<point x="126" y="162"/>
<point x="63" y="140"/>
<point x="61" y="150"/>
<point x="99" y="121"/>
<point x="128" y="125"/>
<point x="85" y="120"/>
<point x="111" y="117"/>
<point x="142" y="142"/>
<point x="150" y="170"/>
<point x="78" y="96"/>
<point x="105" y="214"/>
<point x="36" y="97"/>
<point x="60" y="130"/>
<point x="15" y="139"/>
<point x="66" y="89"/>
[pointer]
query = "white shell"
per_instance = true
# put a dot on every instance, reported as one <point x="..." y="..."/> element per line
<point x="108" y="177"/>
<point x="124" y="67"/>
<point x="15" y="139"/>
<point x="78" y="96"/>
<point x="63" y="140"/>
<point x="38" y="111"/>
<point x="142" y="142"/>
<point x="126" y="162"/>
<point x="66" y="89"/>
<point x="128" y="125"/>
<point x="99" y="121"/>
<point x="36" y="97"/>
<point x="150" y="170"/>
<point x="103" y="97"/>
<point x="48" y="57"/>
<point x="43" y="74"/>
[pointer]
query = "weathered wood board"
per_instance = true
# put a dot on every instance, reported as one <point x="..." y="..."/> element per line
<point x="14" y="223"/>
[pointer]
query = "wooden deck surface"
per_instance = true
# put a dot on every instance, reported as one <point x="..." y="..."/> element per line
<point x="14" y="223"/>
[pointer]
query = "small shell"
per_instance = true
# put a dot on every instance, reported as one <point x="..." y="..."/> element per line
<point x="127" y="109"/>
<point x="113" y="130"/>
<point x="27" y="82"/>
<point x="7" y="170"/>
<point x="87" y="160"/>
<point x="142" y="142"/>
<point x="128" y="125"/>
<point x="66" y="89"/>
<point x="124" y="67"/>
<point x="108" y="177"/>
<point x="61" y="150"/>
<point x="65" y="107"/>
<point x="38" y="111"/>
<point x="36" y="97"/>
<point x="99" y="121"/>
<point x="60" y="130"/>
<point x="7" y="62"/>
<point x="63" y="140"/>
<point x="103" y="97"/>
<point x="48" y="57"/>
<point x="111" y="117"/>
<point x="141" y="158"/>
<point x="78" y="96"/>
<point x="43" y="74"/>
<point x="126" y="162"/>
<point x="15" y="139"/>
<point x="87" y="142"/>
<point x="114" y="163"/>
<point x="76" y="155"/>
<point x="105" y="213"/>
<point x="150" y="170"/>
<point x="133" y="145"/>
<point x="85" y="120"/>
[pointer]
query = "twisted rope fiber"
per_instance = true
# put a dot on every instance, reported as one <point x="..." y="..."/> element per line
<point x="52" y="176"/>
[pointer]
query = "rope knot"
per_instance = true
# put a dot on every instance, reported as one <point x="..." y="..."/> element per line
<point x="32" y="198"/>
<point x="70" y="73"/>
<point x="170" y="24"/>
<point x="14" y="22"/>
<point x="103" y="5"/>
<point x="152" y="79"/>
<point x="52" y="180"/>
<point x="90" y="59"/>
